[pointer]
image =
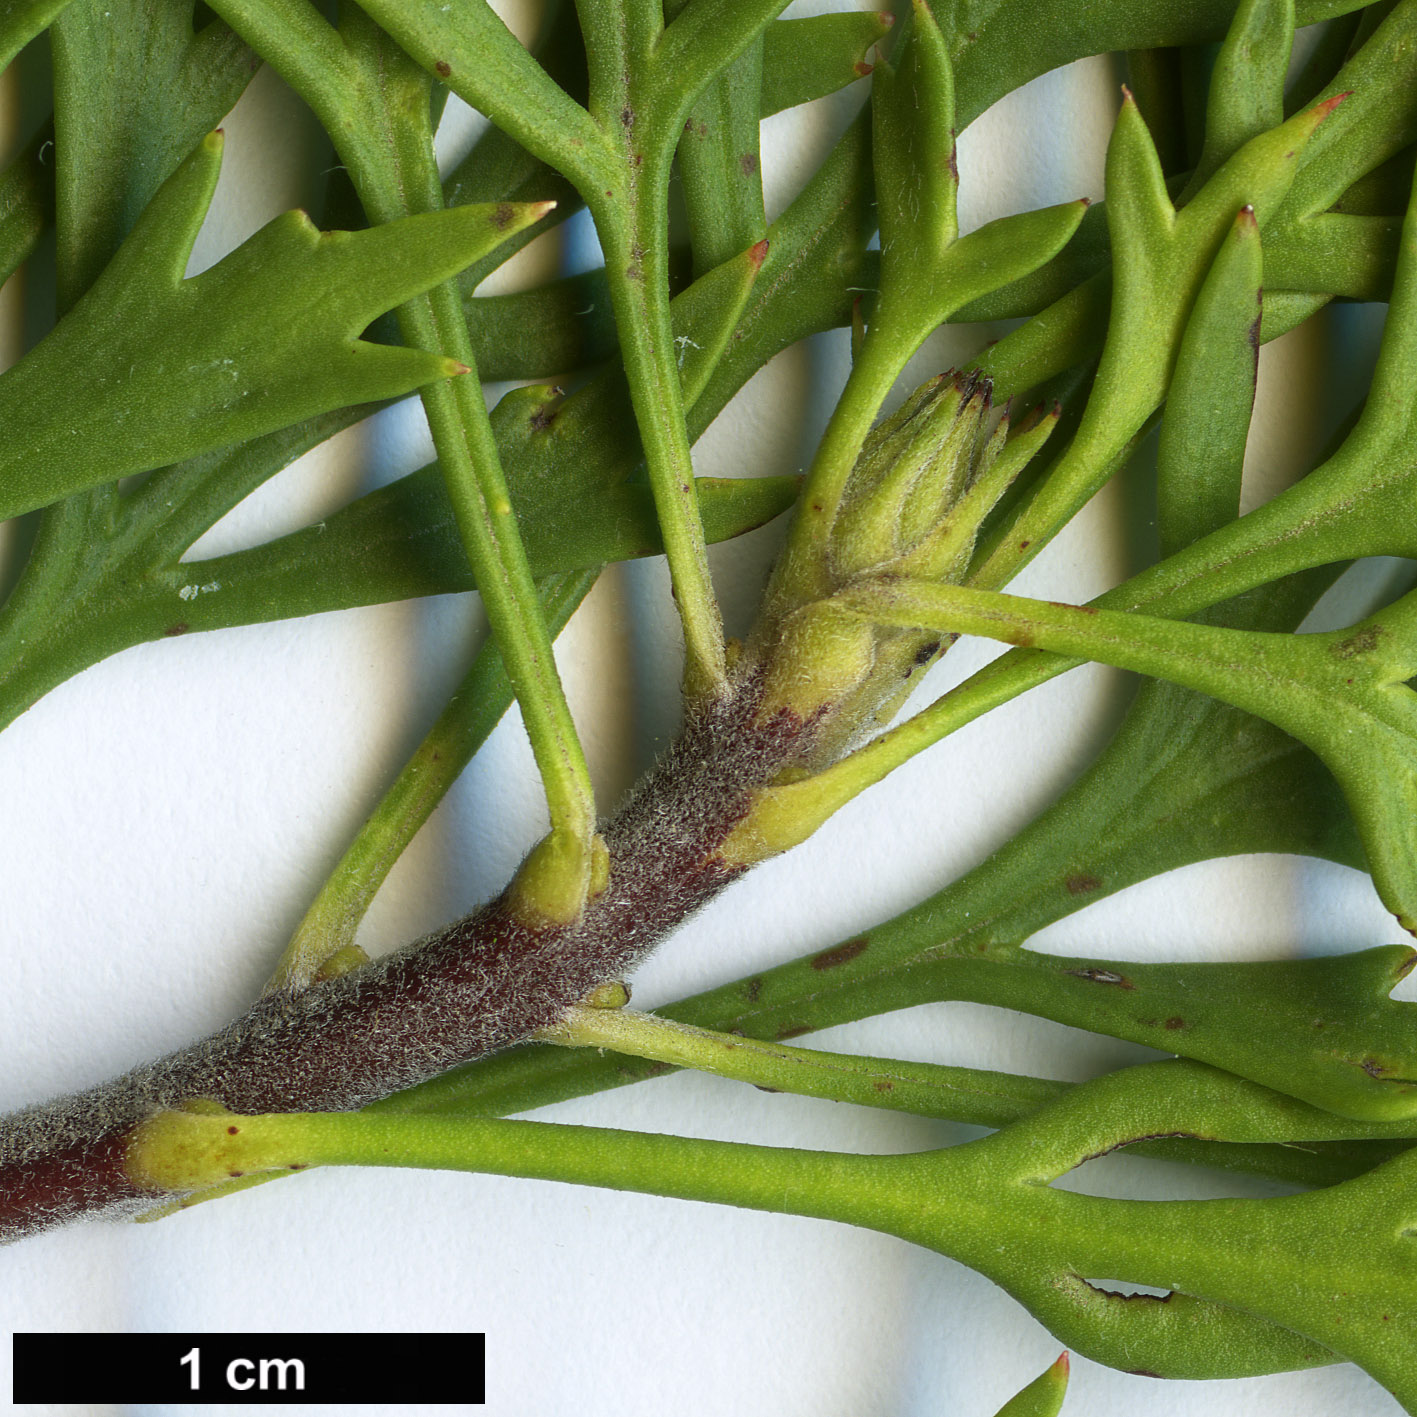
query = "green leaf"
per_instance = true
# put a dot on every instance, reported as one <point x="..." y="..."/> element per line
<point x="1345" y="1252"/>
<point x="1161" y="258"/>
<point x="21" y="21"/>
<point x="1043" y="1397"/>
<point x="1202" y="449"/>
<point x="999" y="45"/>
<point x="1247" y="82"/>
<point x="1345" y="694"/>
<point x="134" y="90"/>
<point x="913" y="144"/>
<point x="26" y="203"/>
<point x="720" y="168"/>
<point x="401" y="541"/>
<point x="170" y="368"/>
<point x="1377" y="122"/>
<point x="809" y="58"/>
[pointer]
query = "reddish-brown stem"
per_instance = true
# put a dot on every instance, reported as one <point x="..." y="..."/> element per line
<point x="466" y="990"/>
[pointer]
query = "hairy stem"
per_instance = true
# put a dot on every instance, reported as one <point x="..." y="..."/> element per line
<point x="460" y="993"/>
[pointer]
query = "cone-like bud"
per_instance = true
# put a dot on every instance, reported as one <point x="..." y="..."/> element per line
<point x="924" y="482"/>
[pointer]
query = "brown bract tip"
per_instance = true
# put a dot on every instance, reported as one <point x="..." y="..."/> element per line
<point x="758" y="254"/>
<point x="1322" y="110"/>
<point x="861" y="68"/>
<point x="1063" y="1364"/>
<point x="1127" y="96"/>
<point x="886" y="18"/>
<point x="1246" y="216"/>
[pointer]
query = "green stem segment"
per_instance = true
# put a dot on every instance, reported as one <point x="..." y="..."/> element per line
<point x="375" y="104"/>
<point x="328" y="930"/>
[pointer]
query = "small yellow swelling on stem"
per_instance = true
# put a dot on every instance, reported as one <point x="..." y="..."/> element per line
<point x="186" y="1148"/>
<point x="563" y="872"/>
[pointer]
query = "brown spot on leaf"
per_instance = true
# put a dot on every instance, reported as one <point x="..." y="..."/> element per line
<point x="1081" y="883"/>
<point x="232" y="1131"/>
<point x="627" y="117"/>
<point x="180" y="628"/>
<point x="883" y="1085"/>
<point x="443" y="68"/>
<point x="502" y="215"/>
<point x="748" y="164"/>
<point x="1373" y="1068"/>
<point x="793" y="1030"/>
<point x="840" y="954"/>
<point x="753" y="989"/>
<point x="927" y="652"/>
<point x="1404" y="966"/>
<point x="1176" y="1022"/>
<point x="1362" y="641"/>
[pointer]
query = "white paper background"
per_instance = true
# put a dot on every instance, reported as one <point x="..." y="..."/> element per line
<point x="168" y="815"/>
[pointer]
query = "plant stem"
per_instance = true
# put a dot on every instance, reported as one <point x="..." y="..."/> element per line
<point x="484" y="695"/>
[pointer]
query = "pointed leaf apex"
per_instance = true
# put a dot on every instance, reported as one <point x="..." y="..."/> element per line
<point x="1063" y="1365"/>
<point x="1246" y="217"/>
<point x="861" y="68"/>
<point x="758" y="254"/>
<point x="1322" y="110"/>
<point x="215" y="140"/>
<point x="1127" y="97"/>
<point x="453" y="367"/>
<point x="508" y="218"/>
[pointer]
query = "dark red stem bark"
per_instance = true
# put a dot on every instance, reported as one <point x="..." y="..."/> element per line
<point x="463" y="992"/>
